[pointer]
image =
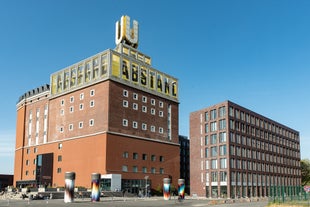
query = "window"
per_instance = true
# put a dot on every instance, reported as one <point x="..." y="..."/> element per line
<point x="161" y="158"/>
<point x="27" y="162"/>
<point x="144" y="169"/>
<point x="135" y="96"/>
<point x="153" y="158"/>
<point x="135" y="124"/>
<point x="134" y="169"/>
<point x="59" y="170"/>
<point x="161" y="113"/>
<point x="161" y="104"/>
<point x="62" y="102"/>
<point x="144" y="126"/>
<point x="92" y="92"/>
<point x="144" y="99"/>
<point x="153" y="102"/>
<point x="135" y="156"/>
<point x="223" y="176"/>
<point x="59" y="145"/>
<point x="153" y="129"/>
<point x="61" y="129"/>
<point x="223" y="150"/>
<point x="222" y="111"/>
<point x="206" y="140"/>
<point x="135" y="106"/>
<point x="125" y="103"/>
<point x="91" y="122"/>
<point x="28" y="151"/>
<point x="222" y="137"/>
<point x="213" y="151"/>
<point x="213" y="114"/>
<point x="81" y="106"/>
<point x="80" y="124"/>
<point x="213" y="126"/>
<point x="206" y="116"/>
<point x="92" y="103"/>
<point x="161" y="171"/>
<point x="27" y="172"/>
<point x="125" y="93"/>
<point x="161" y="130"/>
<point x="213" y="164"/>
<point x="71" y="109"/>
<point x="59" y="158"/>
<point x="144" y="109"/>
<point x="213" y="138"/>
<point x="81" y="96"/>
<point x="153" y="111"/>
<point x="206" y="152"/>
<point x="125" y="154"/>
<point x="125" y="168"/>
<point x="206" y="128"/>
<point x="222" y="124"/>
<point x="71" y="99"/>
<point x="144" y="156"/>
<point x="153" y="170"/>
<point x="125" y="122"/>
<point x="70" y="127"/>
<point x="62" y="112"/>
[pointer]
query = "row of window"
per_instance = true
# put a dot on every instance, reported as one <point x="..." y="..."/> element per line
<point x="135" y="106"/>
<point x="261" y="145"/>
<point x="81" y="97"/>
<point x="261" y="156"/>
<point x="81" y="107"/>
<point x="213" y="126"/>
<point x="91" y="123"/>
<point x="135" y="96"/>
<point x="250" y="119"/>
<point x="144" y="156"/>
<point x="144" y="126"/>
<point x="212" y="115"/>
<point x="135" y="169"/>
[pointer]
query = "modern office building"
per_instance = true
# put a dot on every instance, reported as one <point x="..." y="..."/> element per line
<point x="236" y="152"/>
<point x="185" y="162"/>
<point x="111" y="113"/>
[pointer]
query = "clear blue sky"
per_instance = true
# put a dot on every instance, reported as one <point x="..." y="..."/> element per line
<point x="254" y="53"/>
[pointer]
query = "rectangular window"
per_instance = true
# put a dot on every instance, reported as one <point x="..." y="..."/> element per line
<point x="161" y="158"/>
<point x="144" y="126"/>
<point x="214" y="164"/>
<point x="153" y="112"/>
<point x="223" y="150"/>
<point x="81" y="96"/>
<point x="206" y="140"/>
<point x="222" y="137"/>
<point x="135" y="124"/>
<point x="144" y="99"/>
<point x="71" y="99"/>
<point x="144" y="156"/>
<point x="213" y="151"/>
<point x="135" y="106"/>
<point x="125" y="93"/>
<point x="144" y="169"/>
<point x="125" y="103"/>
<point x="59" y="158"/>
<point x="161" y="130"/>
<point x="92" y="103"/>
<point x="153" y="170"/>
<point x="206" y="116"/>
<point x="125" y="168"/>
<point x="135" y="96"/>
<point x="213" y="138"/>
<point x="213" y="126"/>
<point x="144" y="109"/>
<point x="213" y="114"/>
<point x="222" y="124"/>
<point x="59" y="170"/>
<point x="81" y="106"/>
<point x="153" y="129"/>
<point x="134" y="169"/>
<point x="71" y="109"/>
<point x="206" y="128"/>
<point x="223" y="163"/>
<point x="92" y="92"/>
<point x="153" y="158"/>
<point x="125" y="122"/>
<point x="161" y="113"/>
<point x="70" y="127"/>
<point x="161" y="104"/>
<point x="153" y="102"/>
<point x="135" y="156"/>
<point x="222" y="111"/>
<point x="91" y="122"/>
<point x="206" y="152"/>
<point x="125" y="154"/>
<point x="161" y="171"/>
<point x="80" y="124"/>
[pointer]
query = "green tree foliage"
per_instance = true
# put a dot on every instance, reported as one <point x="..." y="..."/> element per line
<point x="305" y="171"/>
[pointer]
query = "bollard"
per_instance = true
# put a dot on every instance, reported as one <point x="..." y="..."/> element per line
<point x="181" y="188"/>
<point x="166" y="188"/>
<point x="95" y="184"/>
<point x="69" y="187"/>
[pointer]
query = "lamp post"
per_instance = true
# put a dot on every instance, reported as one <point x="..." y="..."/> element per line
<point x="146" y="177"/>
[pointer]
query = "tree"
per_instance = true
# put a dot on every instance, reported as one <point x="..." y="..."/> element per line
<point x="305" y="171"/>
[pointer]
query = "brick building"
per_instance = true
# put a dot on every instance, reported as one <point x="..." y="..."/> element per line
<point x="236" y="152"/>
<point x="111" y="113"/>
